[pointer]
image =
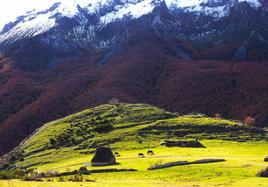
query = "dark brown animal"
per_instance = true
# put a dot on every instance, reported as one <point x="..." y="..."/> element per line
<point x="150" y="152"/>
<point x="116" y="154"/>
<point x="141" y="155"/>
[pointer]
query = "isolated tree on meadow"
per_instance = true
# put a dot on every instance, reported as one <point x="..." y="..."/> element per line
<point x="218" y="115"/>
<point x="250" y="121"/>
<point x="114" y="101"/>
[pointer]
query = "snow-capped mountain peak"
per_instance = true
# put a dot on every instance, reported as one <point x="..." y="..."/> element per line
<point x="37" y="22"/>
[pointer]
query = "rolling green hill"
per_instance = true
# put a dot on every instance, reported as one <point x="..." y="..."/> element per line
<point x="122" y="127"/>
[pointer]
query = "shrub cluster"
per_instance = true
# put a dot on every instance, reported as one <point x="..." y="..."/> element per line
<point x="12" y="174"/>
<point x="80" y="131"/>
<point x="263" y="173"/>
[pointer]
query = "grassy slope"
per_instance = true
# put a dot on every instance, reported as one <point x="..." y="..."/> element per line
<point x="82" y="132"/>
<point x="134" y="129"/>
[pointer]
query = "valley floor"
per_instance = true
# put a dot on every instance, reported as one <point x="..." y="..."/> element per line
<point x="243" y="161"/>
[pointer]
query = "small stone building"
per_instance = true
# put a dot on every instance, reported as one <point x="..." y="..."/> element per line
<point x="103" y="157"/>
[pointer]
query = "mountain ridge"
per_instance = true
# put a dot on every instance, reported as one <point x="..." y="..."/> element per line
<point x="82" y="14"/>
<point x="177" y="60"/>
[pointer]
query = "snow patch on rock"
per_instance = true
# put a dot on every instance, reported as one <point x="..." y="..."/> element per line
<point x="40" y="21"/>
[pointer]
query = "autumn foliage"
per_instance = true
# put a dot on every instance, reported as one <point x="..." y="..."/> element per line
<point x="145" y="72"/>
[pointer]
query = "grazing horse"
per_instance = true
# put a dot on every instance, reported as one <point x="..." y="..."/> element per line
<point x="150" y="152"/>
<point x="116" y="154"/>
<point x="141" y="155"/>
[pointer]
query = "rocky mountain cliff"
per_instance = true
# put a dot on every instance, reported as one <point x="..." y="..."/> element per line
<point x="199" y="29"/>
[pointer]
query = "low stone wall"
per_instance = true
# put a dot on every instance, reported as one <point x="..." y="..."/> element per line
<point x="184" y="143"/>
<point x="167" y="165"/>
<point x="182" y="163"/>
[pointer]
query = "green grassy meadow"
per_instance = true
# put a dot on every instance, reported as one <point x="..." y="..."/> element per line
<point x="69" y="143"/>
<point x="243" y="161"/>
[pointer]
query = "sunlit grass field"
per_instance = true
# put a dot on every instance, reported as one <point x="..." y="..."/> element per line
<point x="243" y="161"/>
<point x="69" y="143"/>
